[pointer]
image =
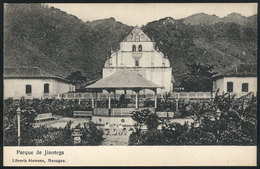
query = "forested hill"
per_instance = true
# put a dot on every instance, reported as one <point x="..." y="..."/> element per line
<point x="224" y="45"/>
<point x="202" y="18"/>
<point x="55" y="41"/>
<point x="59" y="43"/>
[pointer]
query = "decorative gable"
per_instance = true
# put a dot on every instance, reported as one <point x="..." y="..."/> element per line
<point x="137" y="35"/>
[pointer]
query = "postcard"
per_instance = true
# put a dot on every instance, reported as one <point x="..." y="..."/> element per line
<point x="130" y="84"/>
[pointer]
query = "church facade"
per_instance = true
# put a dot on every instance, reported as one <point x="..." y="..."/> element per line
<point x="137" y="53"/>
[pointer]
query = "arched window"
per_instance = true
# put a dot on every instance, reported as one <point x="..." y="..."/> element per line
<point x="133" y="48"/>
<point x="46" y="88"/>
<point x="28" y="89"/>
<point x="163" y="64"/>
<point x="140" y="48"/>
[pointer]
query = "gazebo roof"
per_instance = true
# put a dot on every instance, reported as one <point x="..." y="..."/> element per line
<point x="124" y="79"/>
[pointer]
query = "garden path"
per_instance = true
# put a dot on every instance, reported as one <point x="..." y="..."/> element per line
<point x="109" y="140"/>
<point x="115" y="140"/>
<point x="62" y="121"/>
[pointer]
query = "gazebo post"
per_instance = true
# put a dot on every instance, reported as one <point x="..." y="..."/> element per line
<point x="115" y="98"/>
<point x="93" y="101"/>
<point x="96" y="100"/>
<point x="155" y="98"/>
<point x="109" y="100"/>
<point x="136" y="99"/>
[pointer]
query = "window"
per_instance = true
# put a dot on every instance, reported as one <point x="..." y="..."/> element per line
<point x="244" y="87"/>
<point x="163" y="64"/>
<point x="140" y="48"/>
<point x="46" y="88"/>
<point x="229" y="86"/>
<point x="136" y="62"/>
<point x="28" y="89"/>
<point x="133" y="48"/>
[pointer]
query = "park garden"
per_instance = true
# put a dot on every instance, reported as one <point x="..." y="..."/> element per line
<point x="223" y="120"/>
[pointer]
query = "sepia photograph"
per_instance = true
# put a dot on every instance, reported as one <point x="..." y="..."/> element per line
<point x="129" y="74"/>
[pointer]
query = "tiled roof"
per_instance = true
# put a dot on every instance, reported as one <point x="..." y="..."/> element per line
<point x="29" y="72"/>
<point x="123" y="79"/>
<point x="237" y="72"/>
<point x="24" y="72"/>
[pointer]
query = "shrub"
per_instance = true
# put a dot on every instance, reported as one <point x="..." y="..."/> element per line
<point x="91" y="134"/>
<point x="43" y="135"/>
<point x="150" y="137"/>
<point x="235" y="124"/>
<point x="10" y="122"/>
<point x="49" y="136"/>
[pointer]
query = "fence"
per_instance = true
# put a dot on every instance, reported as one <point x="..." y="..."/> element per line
<point x="82" y="113"/>
<point x="193" y="95"/>
<point x="176" y="95"/>
<point x="102" y="96"/>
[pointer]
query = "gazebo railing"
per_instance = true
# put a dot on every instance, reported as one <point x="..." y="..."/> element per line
<point x="118" y="111"/>
<point x="101" y="111"/>
<point x="99" y="96"/>
<point x="121" y="111"/>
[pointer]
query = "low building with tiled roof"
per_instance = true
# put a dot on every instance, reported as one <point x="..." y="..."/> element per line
<point x="31" y="82"/>
<point x="237" y="81"/>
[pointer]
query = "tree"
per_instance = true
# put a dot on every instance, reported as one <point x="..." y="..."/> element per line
<point x="166" y="103"/>
<point x="76" y="77"/>
<point x="233" y="31"/>
<point x="50" y="136"/>
<point x="10" y="122"/>
<point x="43" y="135"/>
<point x="223" y="121"/>
<point x="151" y="121"/>
<point x="91" y="134"/>
<point x="123" y="101"/>
<point x="199" y="78"/>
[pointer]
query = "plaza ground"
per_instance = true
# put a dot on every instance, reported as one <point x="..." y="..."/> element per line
<point x="109" y="140"/>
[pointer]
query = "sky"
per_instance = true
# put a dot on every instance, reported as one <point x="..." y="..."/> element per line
<point x="140" y="14"/>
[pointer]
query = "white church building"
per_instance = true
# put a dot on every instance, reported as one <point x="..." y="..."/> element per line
<point x="137" y="53"/>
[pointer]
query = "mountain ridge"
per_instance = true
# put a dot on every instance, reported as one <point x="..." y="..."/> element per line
<point x="63" y="43"/>
<point x="203" y="18"/>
